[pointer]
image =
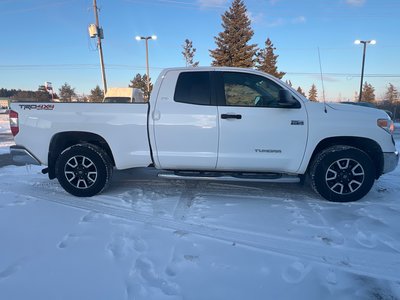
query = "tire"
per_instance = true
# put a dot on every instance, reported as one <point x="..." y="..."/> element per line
<point x="84" y="170"/>
<point x="342" y="174"/>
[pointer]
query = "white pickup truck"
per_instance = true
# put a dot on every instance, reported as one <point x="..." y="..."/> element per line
<point x="213" y="124"/>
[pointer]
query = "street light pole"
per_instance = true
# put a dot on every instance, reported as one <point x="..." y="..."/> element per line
<point x="357" y="42"/>
<point x="147" y="38"/>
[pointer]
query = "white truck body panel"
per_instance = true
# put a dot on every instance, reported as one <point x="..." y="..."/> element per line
<point x="261" y="140"/>
<point x="123" y="126"/>
<point x="345" y="121"/>
<point x="184" y="136"/>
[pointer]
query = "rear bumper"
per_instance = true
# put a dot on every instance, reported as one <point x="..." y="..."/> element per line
<point x="390" y="161"/>
<point x="21" y="155"/>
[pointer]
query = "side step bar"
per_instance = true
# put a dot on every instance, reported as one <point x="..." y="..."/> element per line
<point x="223" y="176"/>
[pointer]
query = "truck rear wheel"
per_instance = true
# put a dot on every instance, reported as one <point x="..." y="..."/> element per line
<point x="84" y="170"/>
<point x="342" y="174"/>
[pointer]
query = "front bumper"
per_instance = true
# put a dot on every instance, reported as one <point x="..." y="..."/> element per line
<point x="390" y="161"/>
<point x="21" y="155"/>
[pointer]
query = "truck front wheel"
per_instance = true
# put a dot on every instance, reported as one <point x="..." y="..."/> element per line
<point x="342" y="174"/>
<point x="83" y="170"/>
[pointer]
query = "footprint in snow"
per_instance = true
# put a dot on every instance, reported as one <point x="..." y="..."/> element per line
<point x="123" y="246"/>
<point x="145" y="268"/>
<point x="367" y="240"/>
<point x="90" y="217"/>
<point x="331" y="278"/>
<point x="295" y="273"/>
<point x="68" y="240"/>
<point x="331" y="237"/>
<point x="10" y="270"/>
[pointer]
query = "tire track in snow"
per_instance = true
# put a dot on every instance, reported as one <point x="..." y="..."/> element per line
<point x="356" y="261"/>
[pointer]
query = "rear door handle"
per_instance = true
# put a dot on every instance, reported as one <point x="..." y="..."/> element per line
<point x="231" y="116"/>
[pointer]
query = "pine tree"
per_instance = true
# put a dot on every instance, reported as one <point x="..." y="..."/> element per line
<point x="232" y="43"/>
<point x="140" y="82"/>
<point x="266" y="60"/>
<point x="66" y="92"/>
<point x="188" y="53"/>
<point x="288" y="82"/>
<point x="8" y="93"/>
<point x="300" y="90"/>
<point x="392" y="94"/>
<point x="25" y="95"/>
<point x="312" y="93"/>
<point x="368" y="93"/>
<point x="96" y="95"/>
<point x="42" y="94"/>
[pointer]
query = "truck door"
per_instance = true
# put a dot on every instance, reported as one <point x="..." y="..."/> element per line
<point x="255" y="133"/>
<point x="185" y="122"/>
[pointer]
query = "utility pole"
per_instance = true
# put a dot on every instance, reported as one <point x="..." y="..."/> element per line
<point x="99" y="37"/>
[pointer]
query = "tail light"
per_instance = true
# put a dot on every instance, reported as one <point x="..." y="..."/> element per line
<point x="14" y="125"/>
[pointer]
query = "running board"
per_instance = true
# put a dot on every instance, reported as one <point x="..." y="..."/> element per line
<point x="216" y="176"/>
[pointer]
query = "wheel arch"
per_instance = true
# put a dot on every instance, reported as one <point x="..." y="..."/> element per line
<point x="370" y="147"/>
<point x="63" y="140"/>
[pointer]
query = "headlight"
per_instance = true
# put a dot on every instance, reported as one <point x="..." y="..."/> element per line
<point x="386" y="124"/>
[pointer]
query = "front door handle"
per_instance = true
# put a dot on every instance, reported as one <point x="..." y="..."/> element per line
<point x="231" y="116"/>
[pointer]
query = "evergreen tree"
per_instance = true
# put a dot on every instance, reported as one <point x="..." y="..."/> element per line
<point x="8" y="93"/>
<point x="188" y="53"/>
<point x="312" y="93"/>
<point x="96" y="95"/>
<point x="42" y="94"/>
<point x="368" y="93"/>
<point x="392" y="94"/>
<point x="300" y="90"/>
<point x="66" y="92"/>
<point x="266" y="60"/>
<point x="140" y="82"/>
<point x="232" y="43"/>
<point x="25" y="95"/>
<point x="288" y="82"/>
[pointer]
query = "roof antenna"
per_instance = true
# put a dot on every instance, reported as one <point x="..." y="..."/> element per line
<point x="322" y="80"/>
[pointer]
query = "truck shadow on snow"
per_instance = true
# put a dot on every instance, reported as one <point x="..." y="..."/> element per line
<point x="148" y="180"/>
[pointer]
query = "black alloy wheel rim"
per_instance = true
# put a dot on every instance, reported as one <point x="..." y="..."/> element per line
<point x="345" y="176"/>
<point x="80" y="172"/>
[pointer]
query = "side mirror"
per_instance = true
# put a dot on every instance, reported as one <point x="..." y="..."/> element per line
<point x="286" y="100"/>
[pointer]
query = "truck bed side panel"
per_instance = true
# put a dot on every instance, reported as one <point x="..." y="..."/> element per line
<point x="123" y="126"/>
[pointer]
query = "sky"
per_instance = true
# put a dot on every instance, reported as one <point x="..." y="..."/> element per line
<point x="45" y="40"/>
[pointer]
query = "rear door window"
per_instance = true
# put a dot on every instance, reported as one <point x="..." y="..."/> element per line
<point x="193" y="88"/>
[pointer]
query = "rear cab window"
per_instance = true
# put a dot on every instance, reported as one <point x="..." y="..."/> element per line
<point x="193" y="88"/>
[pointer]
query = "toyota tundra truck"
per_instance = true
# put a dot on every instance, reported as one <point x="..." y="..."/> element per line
<point x="213" y="124"/>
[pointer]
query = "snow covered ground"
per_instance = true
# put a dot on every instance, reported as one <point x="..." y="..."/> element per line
<point x="148" y="238"/>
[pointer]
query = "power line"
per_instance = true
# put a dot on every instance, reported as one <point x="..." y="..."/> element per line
<point x="134" y="67"/>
